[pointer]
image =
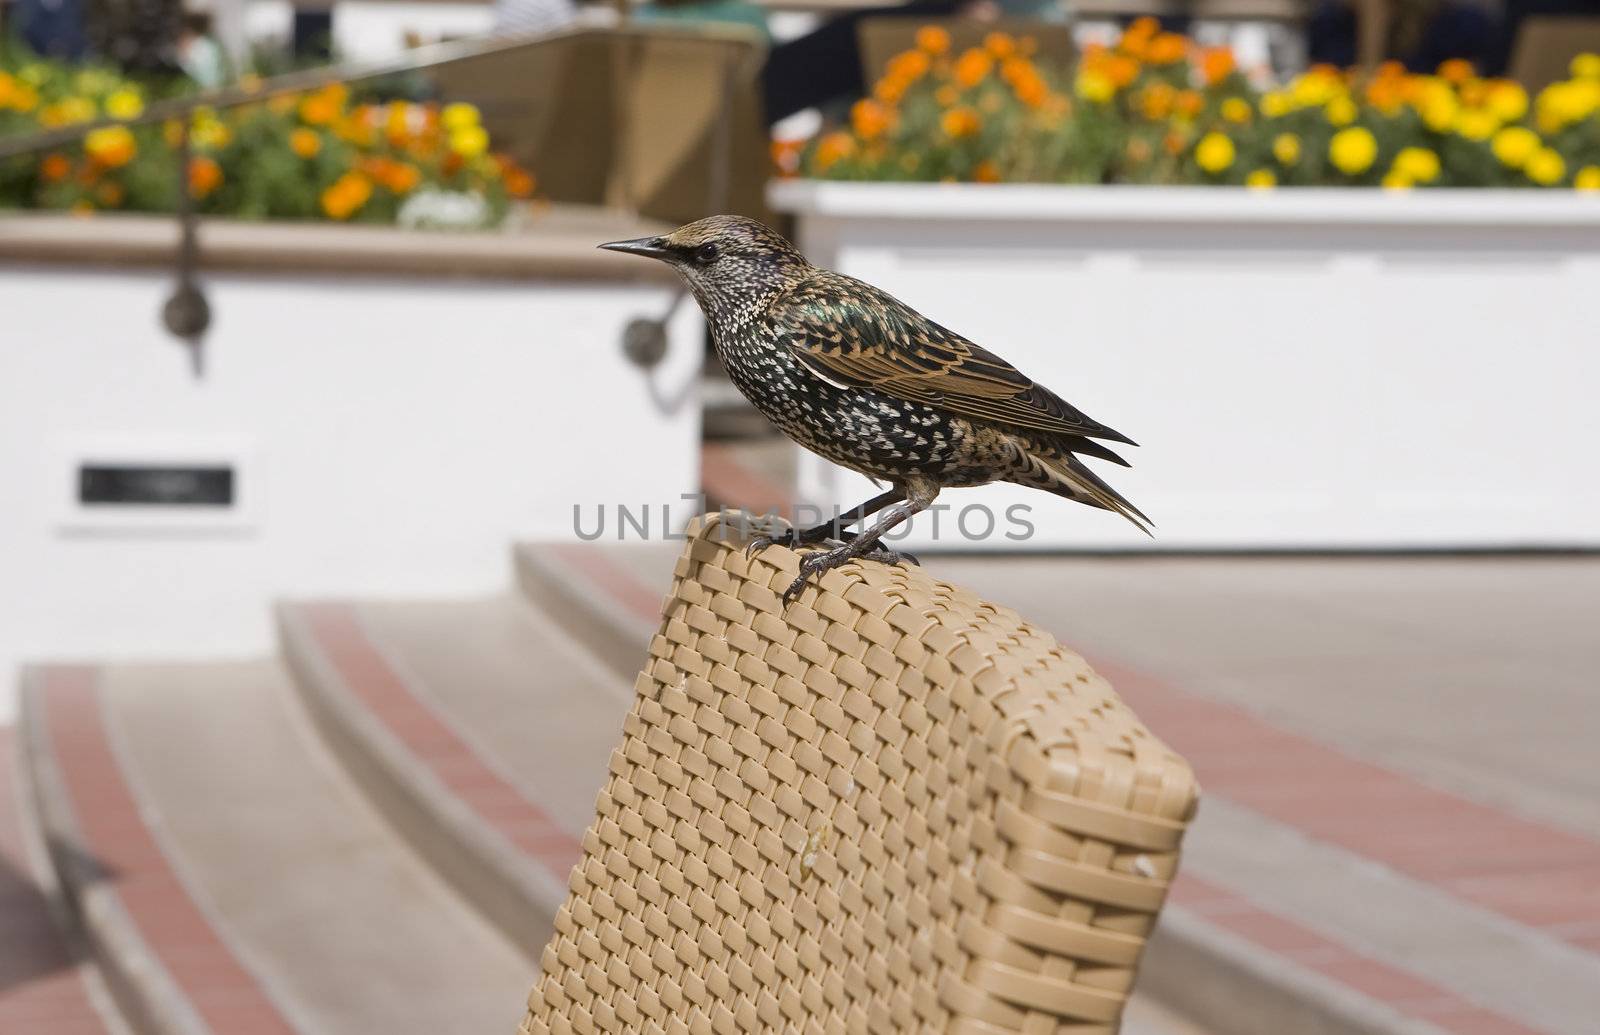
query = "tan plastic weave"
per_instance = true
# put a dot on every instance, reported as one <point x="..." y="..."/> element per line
<point x="892" y="807"/>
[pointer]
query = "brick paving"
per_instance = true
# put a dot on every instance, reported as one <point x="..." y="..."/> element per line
<point x="41" y="987"/>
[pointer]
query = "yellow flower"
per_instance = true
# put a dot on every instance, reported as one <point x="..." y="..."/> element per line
<point x="1514" y="145"/>
<point x="1588" y="179"/>
<point x="1545" y="167"/>
<point x="458" y="116"/>
<point x="1586" y="66"/>
<point x="1477" y="124"/>
<point x="1237" y="109"/>
<point x="1318" y="86"/>
<point x="305" y="143"/>
<point x="125" y="104"/>
<point x="111" y="146"/>
<point x="1261" y="179"/>
<point x="1341" y="111"/>
<point x="1394" y="179"/>
<point x="250" y="83"/>
<point x="1561" y="104"/>
<point x="1353" y="150"/>
<point x="1275" y="104"/>
<point x="1214" y="153"/>
<point x="1286" y="148"/>
<point x="1418" y="164"/>
<point x="1095" y="86"/>
<point x="469" y="141"/>
<point x="1508" y="100"/>
<point x="211" y="134"/>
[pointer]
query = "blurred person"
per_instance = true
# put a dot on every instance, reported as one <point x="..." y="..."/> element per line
<point x="199" y="55"/>
<point x="139" y="36"/>
<point x="52" y="28"/>
<point x="1420" y="34"/>
<point x="731" y="12"/>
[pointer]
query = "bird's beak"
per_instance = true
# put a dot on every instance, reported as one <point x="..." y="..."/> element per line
<point x="649" y="247"/>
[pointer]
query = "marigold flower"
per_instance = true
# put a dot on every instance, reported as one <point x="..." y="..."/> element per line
<point x="306" y="143"/>
<point x="346" y="196"/>
<point x="55" y="167"/>
<point x="1476" y="124"/>
<point x="1121" y="70"/>
<point x="1585" y="66"/>
<point x="889" y="90"/>
<point x="832" y="148"/>
<point x="1032" y="92"/>
<point x="110" y="194"/>
<point x="909" y="65"/>
<point x="986" y="172"/>
<point x="1167" y="49"/>
<point x="1215" y="152"/>
<point x="1418" y="163"/>
<point x="1286" y="148"/>
<point x="469" y="141"/>
<point x="111" y="146"/>
<point x="946" y="96"/>
<point x="1456" y="70"/>
<point x="125" y="104"/>
<point x="319" y="109"/>
<point x="999" y="45"/>
<point x="1588" y="179"/>
<point x="1317" y="86"/>
<point x="1546" y="167"/>
<point x="205" y="176"/>
<point x="972" y="67"/>
<point x="1216" y="64"/>
<point x="1275" y="104"/>
<point x="1188" y="103"/>
<point x="1353" y="150"/>
<point x="1094" y="86"/>
<point x="1507" y="99"/>
<point x="1341" y="110"/>
<point x="1237" y="109"/>
<point x="1395" y="179"/>
<point x="931" y="39"/>
<point x="1261" y="179"/>
<point x="1561" y="104"/>
<point x="960" y="122"/>
<point x="869" y="119"/>
<point x="519" y="182"/>
<point x="1514" y="145"/>
<point x="458" y="116"/>
<point x="1156" y="100"/>
<point x="1138" y="36"/>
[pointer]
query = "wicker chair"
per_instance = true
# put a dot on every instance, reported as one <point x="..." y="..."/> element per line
<point x="891" y="807"/>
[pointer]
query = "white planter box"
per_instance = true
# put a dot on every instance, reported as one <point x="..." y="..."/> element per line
<point x="389" y="433"/>
<point x="1304" y="368"/>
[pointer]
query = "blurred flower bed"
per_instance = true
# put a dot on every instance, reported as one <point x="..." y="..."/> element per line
<point x="317" y="155"/>
<point x="1156" y="109"/>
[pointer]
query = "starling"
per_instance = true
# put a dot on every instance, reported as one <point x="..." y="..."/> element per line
<point x="862" y="379"/>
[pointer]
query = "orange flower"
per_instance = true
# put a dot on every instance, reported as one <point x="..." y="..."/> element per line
<point x="889" y="90"/>
<point x="946" y="96"/>
<point x="1386" y="93"/>
<point x="1456" y="70"/>
<point x="833" y="147"/>
<point x="986" y="172"/>
<point x="320" y="109"/>
<point x="110" y="195"/>
<point x="785" y="157"/>
<point x="1188" y="103"/>
<point x="931" y="39"/>
<point x="1032" y="91"/>
<point x="960" y="122"/>
<point x="205" y="176"/>
<point x="1216" y="64"/>
<point x="55" y="167"/>
<point x="1167" y="49"/>
<point x="909" y="65"/>
<point x="869" y="119"/>
<point x="348" y="193"/>
<point x="973" y="67"/>
<point x="519" y="182"/>
<point x="1013" y="69"/>
<point x="305" y="142"/>
<point x="1174" y="142"/>
<point x="999" y="45"/>
<point x="1156" y="101"/>
<point x="403" y="178"/>
<point x="1136" y="40"/>
<point x="1121" y="70"/>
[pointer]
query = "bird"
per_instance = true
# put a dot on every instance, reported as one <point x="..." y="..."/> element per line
<point x="860" y="378"/>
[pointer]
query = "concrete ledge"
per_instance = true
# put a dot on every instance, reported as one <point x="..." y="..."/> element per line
<point x="146" y="995"/>
<point x="559" y="244"/>
<point x="501" y="881"/>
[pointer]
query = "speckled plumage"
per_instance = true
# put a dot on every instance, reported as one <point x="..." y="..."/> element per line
<point x="857" y="376"/>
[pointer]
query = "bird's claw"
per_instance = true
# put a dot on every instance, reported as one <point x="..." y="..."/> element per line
<point x="788" y="537"/>
<point x="814" y="564"/>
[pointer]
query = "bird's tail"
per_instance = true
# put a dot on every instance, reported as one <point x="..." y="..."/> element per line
<point x="1070" y="477"/>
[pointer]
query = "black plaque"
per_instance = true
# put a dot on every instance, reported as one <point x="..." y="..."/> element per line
<point x="155" y="485"/>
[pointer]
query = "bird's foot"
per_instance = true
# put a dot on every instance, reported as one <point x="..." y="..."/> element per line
<point x="795" y="538"/>
<point x="813" y="565"/>
<point x="789" y="537"/>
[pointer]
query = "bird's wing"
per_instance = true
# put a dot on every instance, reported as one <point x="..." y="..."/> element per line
<point x="851" y="333"/>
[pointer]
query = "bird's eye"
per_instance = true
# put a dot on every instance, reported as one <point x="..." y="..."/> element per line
<point x="707" y="253"/>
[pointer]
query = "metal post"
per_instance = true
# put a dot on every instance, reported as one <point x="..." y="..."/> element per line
<point x="187" y="314"/>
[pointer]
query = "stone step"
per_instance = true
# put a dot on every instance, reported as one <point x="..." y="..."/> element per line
<point x="1284" y="919"/>
<point x="47" y="982"/>
<point x="229" y="874"/>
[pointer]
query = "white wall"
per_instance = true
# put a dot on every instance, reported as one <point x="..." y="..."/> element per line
<point x="397" y="436"/>
<point x="1303" y="369"/>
